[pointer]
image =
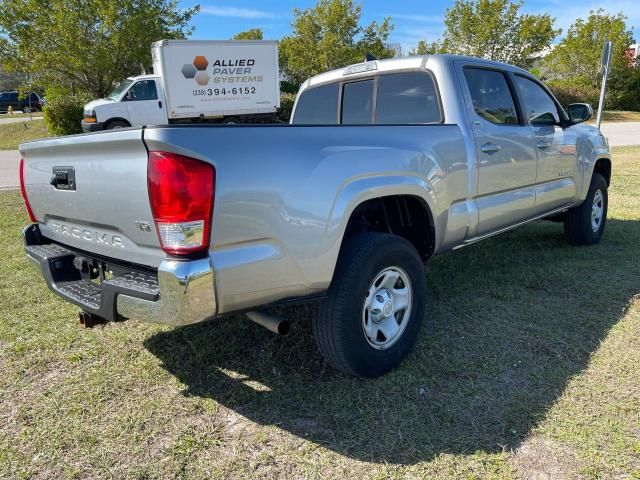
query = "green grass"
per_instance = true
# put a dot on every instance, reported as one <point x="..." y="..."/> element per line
<point x="526" y="366"/>
<point x="13" y="134"/>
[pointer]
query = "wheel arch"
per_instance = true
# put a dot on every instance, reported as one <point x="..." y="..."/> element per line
<point x="116" y="119"/>
<point x="603" y="167"/>
<point x="407" y="216"/>
<point x="371" y="193"/>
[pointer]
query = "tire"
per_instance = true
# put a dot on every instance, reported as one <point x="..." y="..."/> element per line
<point x="580" y="226"/>
<point x="231" y="121"/>
<point x="116" y="124"/>
<point x="341" y="321"/>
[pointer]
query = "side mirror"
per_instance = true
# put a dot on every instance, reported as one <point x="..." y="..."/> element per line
<point x="544" y="119"/>
<point x="129" y="95"/>
<point x="580" y="112"/>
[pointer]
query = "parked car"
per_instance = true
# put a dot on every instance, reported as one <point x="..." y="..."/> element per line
<point x="29" y="102"/>
<point x="195" y="80"/>
<point x="386" y="164"/>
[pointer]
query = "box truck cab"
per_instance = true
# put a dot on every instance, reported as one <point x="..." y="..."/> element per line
<point x="135" y="101"/>
<point x="195" y="81"/>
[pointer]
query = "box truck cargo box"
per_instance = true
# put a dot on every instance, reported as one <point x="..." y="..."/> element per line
<point x="218" y="78"/>
<point x="201" y="80"/>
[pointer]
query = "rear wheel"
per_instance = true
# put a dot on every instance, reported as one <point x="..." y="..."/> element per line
<point x="375" y="305"/>
<point x="584" y="224"/>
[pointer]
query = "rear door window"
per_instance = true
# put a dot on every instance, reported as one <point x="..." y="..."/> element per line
<point x="357" y="103"/>
<point x="318" y="106"/>
<point x="491" y="96"/>
<point x="405" y="98"/>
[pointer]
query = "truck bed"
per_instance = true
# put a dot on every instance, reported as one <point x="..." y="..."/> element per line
<point x="283" y="195"/>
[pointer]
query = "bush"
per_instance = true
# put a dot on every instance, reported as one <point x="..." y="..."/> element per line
<point x="624" y="93"/>
<point x="286" y="106"/>
<point x="568" y="93"/>
<point x="63" y="112"/>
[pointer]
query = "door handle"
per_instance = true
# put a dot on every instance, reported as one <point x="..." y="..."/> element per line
<point x="160" y="103"/>
<point x="542" y="144"/>
<point x="490" y="148"/>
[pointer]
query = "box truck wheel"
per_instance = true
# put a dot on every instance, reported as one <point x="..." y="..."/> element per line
<point x="116" y="124"/>
<point x="231" y="120"/>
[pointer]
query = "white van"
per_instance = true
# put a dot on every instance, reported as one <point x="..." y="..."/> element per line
<point x="135" y="101"/>
<point x="212" y="81"/>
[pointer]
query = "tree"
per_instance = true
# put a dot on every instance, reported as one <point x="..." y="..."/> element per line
<point x="496" y="30"/>
<point x="426" y="48"/>
<point x="86" y="44"/>
<point x="574" y="63"/>
<point x="10" y="80"/>
<point x="251" y="34"/>
<point x="577" y="56"/>
<point x="330" y="36"/>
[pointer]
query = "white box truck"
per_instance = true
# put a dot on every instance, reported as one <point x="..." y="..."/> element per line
<point x="195" y="80"/>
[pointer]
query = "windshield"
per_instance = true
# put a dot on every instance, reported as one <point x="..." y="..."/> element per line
<point x="122" y="86"/>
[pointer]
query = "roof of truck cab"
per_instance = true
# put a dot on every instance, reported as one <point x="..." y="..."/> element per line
<point x="403" y="63"/>
<point x="143" y="77"/>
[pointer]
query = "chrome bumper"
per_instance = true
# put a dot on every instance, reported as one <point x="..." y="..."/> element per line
<point x="181" y="293"/>
<point x="186" y="295"/>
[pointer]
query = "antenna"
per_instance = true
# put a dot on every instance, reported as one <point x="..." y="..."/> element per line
<point x="369" y="57"/>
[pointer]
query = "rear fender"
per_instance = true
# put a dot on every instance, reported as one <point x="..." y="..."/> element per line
<point x="363" y="189"/>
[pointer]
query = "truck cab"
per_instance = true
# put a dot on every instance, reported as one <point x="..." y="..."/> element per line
<point x="136" y="101"/>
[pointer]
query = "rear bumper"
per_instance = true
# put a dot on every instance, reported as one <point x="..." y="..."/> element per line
<point x="178" y="293"/>
<point x="91" y="126"/>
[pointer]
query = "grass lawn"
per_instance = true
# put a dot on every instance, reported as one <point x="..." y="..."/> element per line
<point x="618" y="116"/>
<point x="13" y="134"/>
<point x="527" y="366"/>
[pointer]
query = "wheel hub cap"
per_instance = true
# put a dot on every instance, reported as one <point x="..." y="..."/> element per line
<point x="597" y="210"/>
<point x="387" y="308"/>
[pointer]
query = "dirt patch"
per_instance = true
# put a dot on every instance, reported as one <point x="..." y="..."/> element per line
<point x="542" y="459"/>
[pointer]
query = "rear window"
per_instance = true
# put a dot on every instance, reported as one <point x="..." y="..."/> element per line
<point x="357" y="103"/>
<point x="407" y="98"/>
<point x="491" y="96"/>
<point x="318" y="106"/>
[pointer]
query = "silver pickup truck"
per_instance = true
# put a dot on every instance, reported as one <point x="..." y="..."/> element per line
<point x="385" y="164"/>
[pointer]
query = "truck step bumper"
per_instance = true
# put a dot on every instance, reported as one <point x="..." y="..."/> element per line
<point x="178" y="293"/>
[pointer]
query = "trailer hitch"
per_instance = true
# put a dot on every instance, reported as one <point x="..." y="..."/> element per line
<point x="90" y="320"/>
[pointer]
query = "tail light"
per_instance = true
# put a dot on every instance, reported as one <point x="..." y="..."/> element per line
<point x="24" y="192"/>
<point x="181" y="191"/>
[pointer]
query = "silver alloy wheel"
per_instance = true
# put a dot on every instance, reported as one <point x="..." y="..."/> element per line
<point x="597" y="210"/>
<point x="387" y="308"/>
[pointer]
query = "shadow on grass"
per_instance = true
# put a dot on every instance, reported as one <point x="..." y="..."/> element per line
<point x="510" y="321"/>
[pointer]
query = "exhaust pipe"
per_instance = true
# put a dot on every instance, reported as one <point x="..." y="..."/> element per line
<point x="274" y="324"/>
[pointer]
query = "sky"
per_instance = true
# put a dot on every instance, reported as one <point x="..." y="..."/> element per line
<point x="414" y="20"/>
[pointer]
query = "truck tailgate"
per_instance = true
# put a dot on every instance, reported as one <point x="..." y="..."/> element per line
<point x="100" y="202"/>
